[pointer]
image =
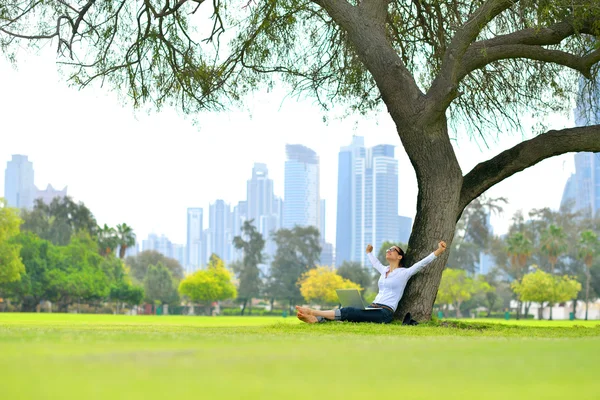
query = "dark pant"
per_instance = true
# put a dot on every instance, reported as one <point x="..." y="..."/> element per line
<point x="380" y="316"/>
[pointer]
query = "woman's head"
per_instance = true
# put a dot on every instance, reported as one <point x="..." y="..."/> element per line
<point x="395" y="255"/>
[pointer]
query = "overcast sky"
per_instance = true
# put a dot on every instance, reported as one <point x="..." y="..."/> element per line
<point x="147" y="169"/>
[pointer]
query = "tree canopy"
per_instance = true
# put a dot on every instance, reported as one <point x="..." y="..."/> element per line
<point x="482" y="64"/>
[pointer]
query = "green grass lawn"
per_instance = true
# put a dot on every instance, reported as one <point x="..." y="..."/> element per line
<point x="61" y="356"/>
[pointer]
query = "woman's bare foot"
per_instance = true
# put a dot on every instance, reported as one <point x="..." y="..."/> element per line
<point x="309" y="319"/>
<point x="304" y="310"/>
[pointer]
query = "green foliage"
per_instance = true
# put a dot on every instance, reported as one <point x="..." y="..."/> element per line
<point x="588" y="247"/>
<point x="11" y="266"/>
<point x="76" y="273"/>
<point x="554" y="243"/>
<point x="473" y="233"/>
<point x="456" y="287"/>
<point x="140" y="263"/>
<point x="159" y="286"/>
<point x="125" y="238"/>
<point x="541" y="287"/>
<point x="59" y="220"/>
<point x="319" y="284"/>
<point x="298" y="250"/>
<point x="252" y="244"/>
<point x="519" y="249"/>
<point x="127" y="293"/>
<point x="212" y="284"/>
<point x="355" y="272"/>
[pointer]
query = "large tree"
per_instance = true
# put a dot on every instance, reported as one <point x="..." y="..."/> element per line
<point x="11" y="265"/>
<point x="140" y="263"/>
<point x="482" y="64"/>
<point x="59" y="220"/>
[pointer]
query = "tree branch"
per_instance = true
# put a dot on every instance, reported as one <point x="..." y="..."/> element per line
<point x="443" y="88"/>
<point x="581" y="64"/>
<point x="527" y="43"/>
<point x="524" y="155"/>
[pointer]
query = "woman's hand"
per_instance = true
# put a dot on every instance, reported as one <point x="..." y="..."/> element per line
<point x="441" y="248"/>
<point x="369" y="248"/>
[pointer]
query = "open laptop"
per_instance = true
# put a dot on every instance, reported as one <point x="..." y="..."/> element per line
<point x="352" y="298"/>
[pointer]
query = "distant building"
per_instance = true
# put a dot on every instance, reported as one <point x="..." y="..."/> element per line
<point x="367" y="199"/>
<point x="195" y="242"/>
<point x="19" y="189"/>
<point x="301" y="188"/>
<point x="49" y="194"/>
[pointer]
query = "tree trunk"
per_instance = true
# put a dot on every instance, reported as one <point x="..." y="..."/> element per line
<point x="541" y="311"/>
<point x="440" y="182"/>
<point x="458" y="313"/>
<point x="244" y="306"/>
<point x="587" y="292"/>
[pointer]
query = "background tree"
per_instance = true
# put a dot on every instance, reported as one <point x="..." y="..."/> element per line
<point x="159" y="286"/>
<point x="140" y="263"/>
<point x="252" y="244"/>
<point x="59" y="220"/>
<point x="38" y="257"/>
<point x="125" y="238"/>
<point x="541" y="287"/>
<point x="357" y="273"/>
<point x="478" y="64"/>
<point x="457" y="287"/>
<point x="298" y="250"/>
<point x="588" y="248"/>
<point x="107" y="240"/>
<point x="473" y="233"/>
<point x="553" y="244"/>
<point x="76" y="273"/>
<point x="11" y="266"/>
<point x="125" y="292"/>
<point x="536" y="286"/>
<point x="319" y="284"/>
<point x="212" y="284"/>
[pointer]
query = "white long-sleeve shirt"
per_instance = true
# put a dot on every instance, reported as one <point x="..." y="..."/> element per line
<point x="391" y="288"/>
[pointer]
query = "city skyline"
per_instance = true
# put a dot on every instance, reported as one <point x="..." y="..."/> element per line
<point x="193" y="163"/>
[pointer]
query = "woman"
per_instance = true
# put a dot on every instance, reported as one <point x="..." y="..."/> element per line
<point x="391" y="284"/>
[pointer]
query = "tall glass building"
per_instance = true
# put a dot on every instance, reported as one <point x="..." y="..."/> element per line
<point x="194" y="245"/>
<point x="19" y="190"/>
<point x="367" y="208"/>
<point x="301" y="188"/>
<point x="219" y="231"/>
<point x="583" y="187"/>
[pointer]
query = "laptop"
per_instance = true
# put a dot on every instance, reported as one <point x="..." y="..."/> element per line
<point x="352" y="298"/>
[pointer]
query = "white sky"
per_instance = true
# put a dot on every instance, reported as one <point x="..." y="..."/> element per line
<point x="147" y="169"/>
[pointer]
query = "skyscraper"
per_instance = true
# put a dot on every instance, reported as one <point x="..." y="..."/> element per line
<point x="264" y="208"/>
<point x="219" y="227"/>
<point x="194" y="246"/>
<point x="584" y="186"/>
<point x="301" y="188"/>
<point x="367" y="199"/>
<point x="19" y="189"/>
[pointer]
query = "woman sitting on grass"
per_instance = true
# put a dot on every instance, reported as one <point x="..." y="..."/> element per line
<point x="391" y="284"/>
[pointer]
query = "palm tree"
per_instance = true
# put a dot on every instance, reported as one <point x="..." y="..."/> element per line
<point x="125" y="238"/>
<point x="553" y="244"/>
<point x="588" y="248"/>
<point x="107" y="239"/>
<point x="519" y="249"/>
